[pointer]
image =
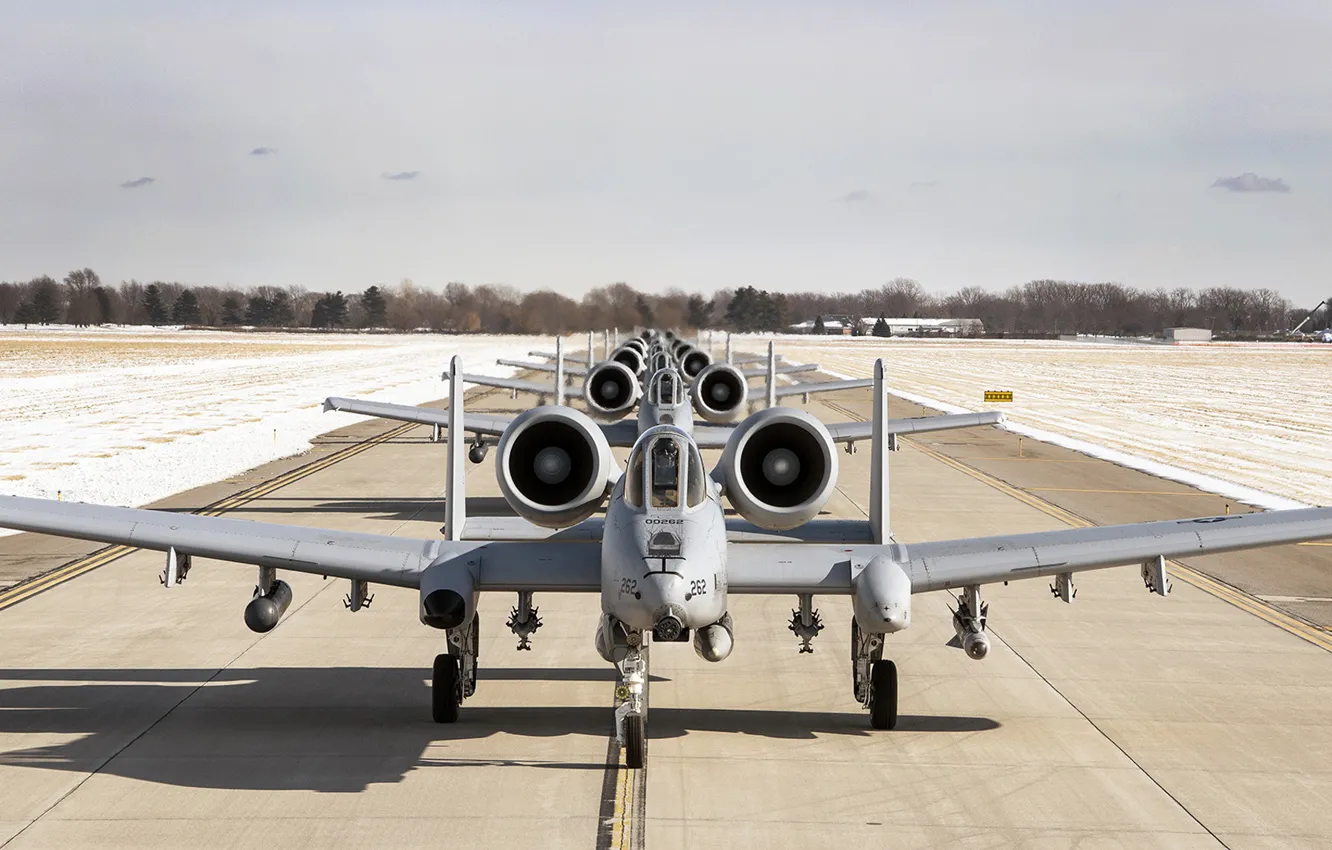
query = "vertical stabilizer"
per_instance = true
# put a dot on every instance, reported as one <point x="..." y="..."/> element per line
<point x="772" y="374"/>
<point x="559" y="371"/>
<point x="591" y="351"/>
<point x="605" y="345"/>
<point x="880" y="530"/>
<point x="615" y="335"/>
<point x="728" y="348"/>
<point x="455" y="491"/>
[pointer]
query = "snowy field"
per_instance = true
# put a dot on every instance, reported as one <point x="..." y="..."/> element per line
<point x="1250" y="421"/>
<point x="129" y="416"/>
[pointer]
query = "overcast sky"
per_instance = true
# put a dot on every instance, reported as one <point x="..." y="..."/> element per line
<point x="571" y="144"/>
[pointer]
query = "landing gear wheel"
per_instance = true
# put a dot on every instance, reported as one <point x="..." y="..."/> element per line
<point x="445" y="690"/>
<point x="635" y="741"/>
<point x="883" y="695"/>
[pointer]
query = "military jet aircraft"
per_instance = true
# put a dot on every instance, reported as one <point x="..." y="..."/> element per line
<point x="665" y="560"/>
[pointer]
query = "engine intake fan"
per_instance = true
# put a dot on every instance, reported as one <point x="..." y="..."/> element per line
<point x="779" y="468"/>
<point x="554" y="466"/>
<point x="611" y="389"/>
<point x="720" y="392"/>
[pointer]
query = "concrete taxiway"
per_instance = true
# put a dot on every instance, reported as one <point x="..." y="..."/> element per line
<point x="134" y="716"/>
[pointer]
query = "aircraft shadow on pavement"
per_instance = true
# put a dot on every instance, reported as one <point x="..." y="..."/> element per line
<point x="334" y="729"/>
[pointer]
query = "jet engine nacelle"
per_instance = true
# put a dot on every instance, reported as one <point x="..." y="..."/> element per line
<point x="693" y="361"/>
<point x="630" y="357"/>
<point x="448" y="593"/>
<point x="554" y="466"/>
<point x="882" y="597"/>
<point x="611" y="389"/>
<point x="779" y="468"/>
<point x="720" y="392"/>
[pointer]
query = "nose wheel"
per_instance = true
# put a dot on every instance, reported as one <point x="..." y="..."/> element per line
<point x="631" y="703"/>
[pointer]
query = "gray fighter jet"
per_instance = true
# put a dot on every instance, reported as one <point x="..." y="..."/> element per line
<point x="665" y="560"/>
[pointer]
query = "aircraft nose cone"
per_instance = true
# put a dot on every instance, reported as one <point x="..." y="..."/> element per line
<point x="781" y="466"/>
<point x="552" y="465"/>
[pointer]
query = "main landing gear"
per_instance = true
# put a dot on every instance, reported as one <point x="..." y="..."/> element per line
<point x="455" y="672"/>
<point x="873" y="678"/>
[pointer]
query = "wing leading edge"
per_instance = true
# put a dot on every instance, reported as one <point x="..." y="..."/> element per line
<point x="573" y="566"/>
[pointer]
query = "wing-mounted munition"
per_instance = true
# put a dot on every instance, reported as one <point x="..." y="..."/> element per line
<point x="611" y="389"/>
<point x="719" y="393"/>
<point x="554" y="466"/>
<point x="779" y="468"/>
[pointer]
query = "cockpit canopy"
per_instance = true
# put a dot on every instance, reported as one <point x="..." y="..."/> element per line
<point x="663" y="468"/>
<point x="664" y="389"/>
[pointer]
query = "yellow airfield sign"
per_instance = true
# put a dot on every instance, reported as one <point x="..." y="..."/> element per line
<point x="998" y="395"/>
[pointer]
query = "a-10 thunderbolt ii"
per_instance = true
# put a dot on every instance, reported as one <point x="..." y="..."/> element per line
<point x="664" y="560"/>
<point x="613" y="386"/>
<point x="718" y="393"/>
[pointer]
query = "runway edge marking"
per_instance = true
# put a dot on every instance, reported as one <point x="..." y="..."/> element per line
<point x="1310" y="632"/>
<point x="39" y="584"/>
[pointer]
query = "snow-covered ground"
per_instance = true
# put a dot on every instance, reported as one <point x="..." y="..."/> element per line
<point x="1253" y="422"/>
<point x="127" y="417"/>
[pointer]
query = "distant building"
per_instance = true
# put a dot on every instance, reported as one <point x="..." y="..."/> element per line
<point x="896" y="327"/>
<point x="1188" y="335"/>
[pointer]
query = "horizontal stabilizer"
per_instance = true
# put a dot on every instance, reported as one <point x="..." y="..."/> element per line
<point x="475" y="423"/>
<point x="845" y="432"/>
<point x="569" y="369"/>
<point x="823" y="387"/>
<point x="508" y="383"/>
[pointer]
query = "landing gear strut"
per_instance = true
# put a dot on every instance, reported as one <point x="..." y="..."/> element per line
<point x="631" y="701"/>
<point x="873" y="679"/>
<point x="455" y="672"/>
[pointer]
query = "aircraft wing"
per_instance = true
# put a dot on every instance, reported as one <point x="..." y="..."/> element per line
<point x="569" y="368"/>
<point x="955" y="563"/>
<point x="508" y="383"/>
<point x="802" y="567"/>
<point x="846" y="432"/>
<point x="573" y="565"/>
<point x="712" y="436"/>
<point x="472" y="422"/>
<point x="823" y="386"/>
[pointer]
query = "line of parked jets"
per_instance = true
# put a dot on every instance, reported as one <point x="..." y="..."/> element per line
<point x="665" y="558"/>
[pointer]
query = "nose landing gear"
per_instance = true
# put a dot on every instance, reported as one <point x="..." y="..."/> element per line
<point x="631" y="701"/>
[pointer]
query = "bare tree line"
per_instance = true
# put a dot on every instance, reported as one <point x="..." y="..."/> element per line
<point x="1034" y="308"/>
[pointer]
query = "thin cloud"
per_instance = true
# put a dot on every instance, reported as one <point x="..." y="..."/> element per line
<point x="923" y="184"/>
<point x="137" y="184"/>
<point x="1250" y="182"/>
<point x="263" y="151"/>
<point x="401" y="175"/>
<point x="859" y="196"/>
